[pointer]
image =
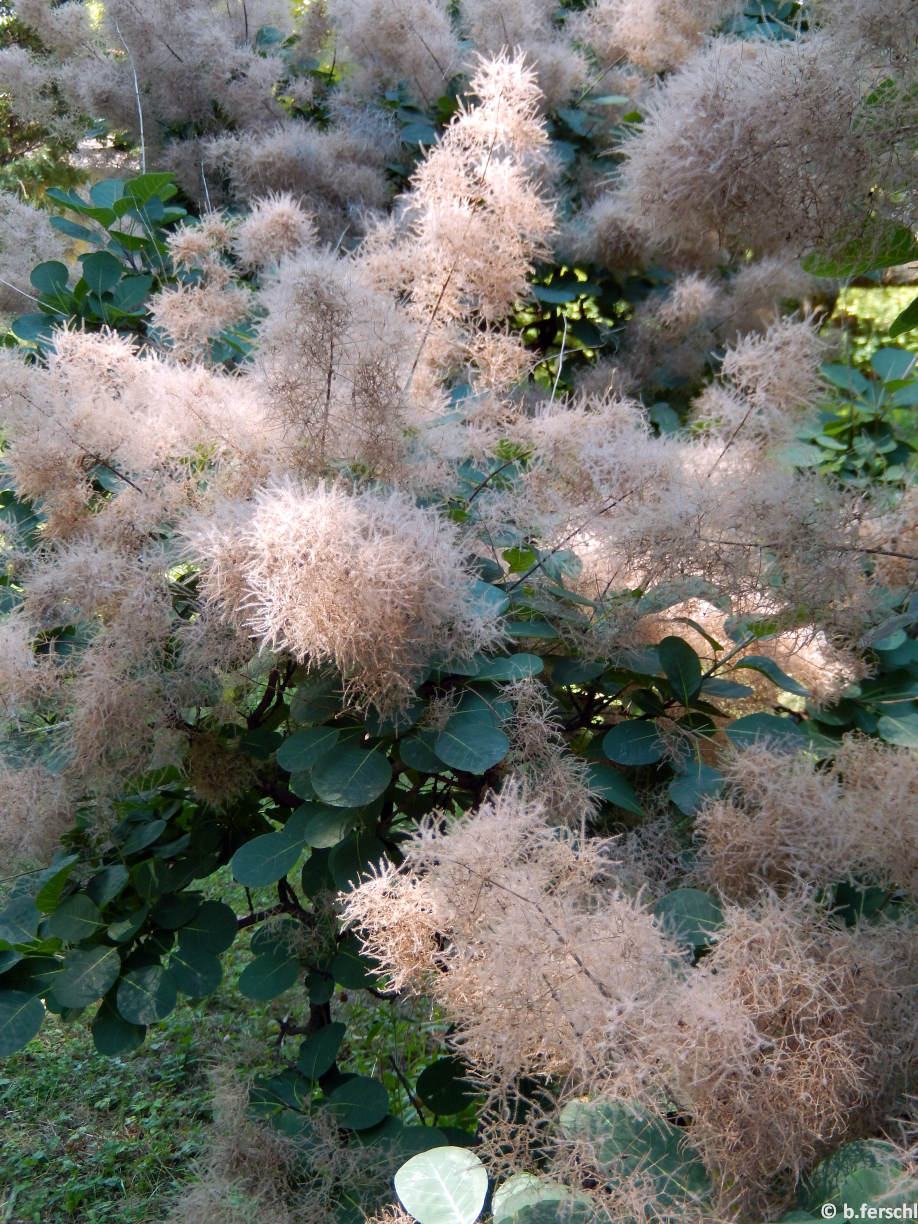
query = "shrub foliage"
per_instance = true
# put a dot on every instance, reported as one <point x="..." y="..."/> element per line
<point x="427" y="493"/>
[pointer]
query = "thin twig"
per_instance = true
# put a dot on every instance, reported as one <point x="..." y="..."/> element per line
<point x="560" y="361"/>
<point x="127" y="51"/>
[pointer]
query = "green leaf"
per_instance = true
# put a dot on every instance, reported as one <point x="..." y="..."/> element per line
<point x="905" y="321"/>
<point x="900" y="725"/>
<point x="717" y="687"/>
<point x="317" y="698"/>
<point x="628" y="1140"/>
<point x="49" y="895"/>
<point x="768" y="667"/>
<point x="894" y="363"/>
<point x="195" y="972"/>
<point x="270" y="856"/>
<point x="509" y="667"/>
<point x="689" y="790"/>
<point x="354" y="856"/>
<point x="358" y="1103"/>
<point x="634" y="742"/>
<point x="847" y="378"/>
<point x="681" y="667"/>
<point x="603" y="780"/>
<point x="176" y="910"/>
<point x="690" y="916"/>
<point x="304" y="748"/>
<point x="106" y="884"/>
<point x="447" y="1185"/>
<point x="101" y="271"/>
<point x="487" y="600"/>
<point x="124" y="929"/>
<point x="77" y="919"/>
<point x="146" y="995"/>
<point x="20" y="1019"/>
<point x="269" y="975"/>
<point x="106" y="192"/>
<point x="782" y="733"/>
<point x="19" y="920"/>
<point x="325" y="825"/>
<point x="826" y="1182"/>
<point x="318" y="1052"/>
<point x="212" y="929"/>
<point x="472" y="740"/>
<point x="417" y="753"/>
<point x="351" y="777"/>
<point x="350" y="968"/>
<point x="443" y="1086"/>
<point x="889" y="245"/>
<point x="112" y="1035"/>
<point x="143" y="835"/>
<point x="86" y="975"/>
<point x="32" y="328"/>
<point x="527" y="1199"/>
<point x="144" y="186"/>
<point x="64" y="225"/>
<point x="50" y="278"/>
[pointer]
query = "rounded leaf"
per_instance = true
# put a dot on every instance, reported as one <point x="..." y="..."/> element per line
<point x="781" y="733"/>
<point x="269" y="975"/>
<point x="443" y="1087"/>
<point x="77" y="919"/>
<point x="304" y="748"/>
<point x="690" y="915"/>
<point x="266" y="858"/>
<point x="195" y="972"/>
<point x="20" y="1019"/>
<point x="447" y="1185"/>
<point x="358" y="1103"/>
<point x="318" y="1052"/>
<point x="635" y="742"/>
<point x="113" y="1035"/>
<point x="212" y="929"/>
<point x="87" y="974"/>
<point x="351" y="777"/>
<point x="472" y="740"/>
<point x="146" y="995"/>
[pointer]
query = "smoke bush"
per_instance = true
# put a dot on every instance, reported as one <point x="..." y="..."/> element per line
<point x="435" y="516"/>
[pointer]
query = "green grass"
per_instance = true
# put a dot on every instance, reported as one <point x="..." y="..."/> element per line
<point x="86" y="1139"/>
<point x="98" y="1140"/>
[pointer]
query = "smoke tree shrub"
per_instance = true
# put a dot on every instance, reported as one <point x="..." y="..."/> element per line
<point x="417" y="500"/>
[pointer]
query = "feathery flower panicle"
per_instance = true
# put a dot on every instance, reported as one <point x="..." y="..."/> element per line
<point x="768" y="381"/>
<point x="276" y="225"/>
<point x="783" y="820"/>
<point x="656" y="35"/>
<point x="393" y="41"/>
<point x="540" y="759"/>
<point x="369" y="582"/>
<point x="26" y="239"/>
<point x="25" y="677"/>
<point x="530" y="29"/>
<point x="36" y="809"/>
<point x="500" y="915"/>
<point x="336" y="173"/>
<point x="333" y="361"/>
<point x="718" y="157"/>
<point x="464" y="242"/>
<point x="834" y="1012"/>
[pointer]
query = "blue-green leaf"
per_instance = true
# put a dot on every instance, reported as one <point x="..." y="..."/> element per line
<point x="146" y="995"/>
<point x="86" y="975"/>
<point x="472" y="740"/>
<point x="446" y="1185"/>
<point x="768" y="667"/>
<point x="351" y="777"/>
<point x="358" y="1103"/>
<point x="634" y="742"/>
<point x="20" y="1019"/>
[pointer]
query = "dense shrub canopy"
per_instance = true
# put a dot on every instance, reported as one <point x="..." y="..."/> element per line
<point x="429" y="494"/>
